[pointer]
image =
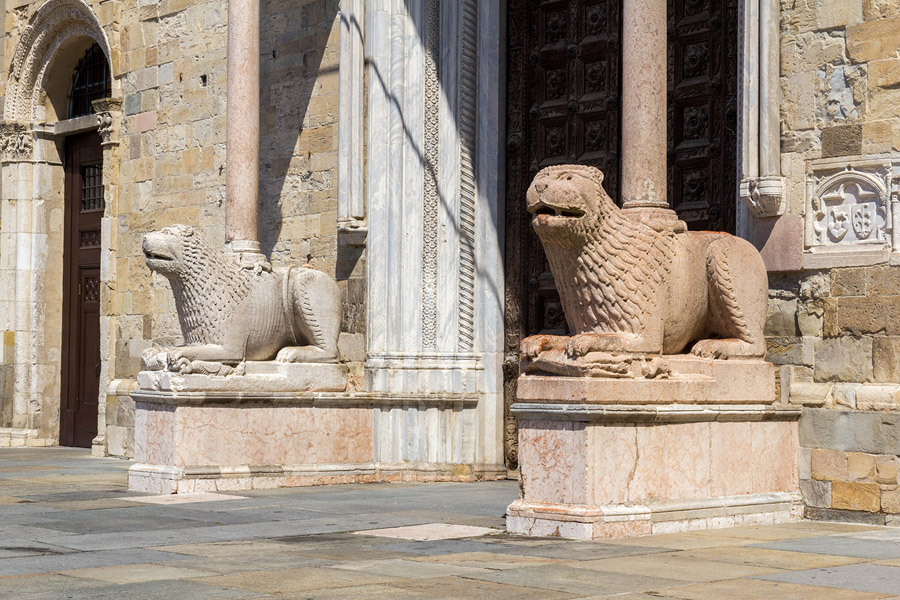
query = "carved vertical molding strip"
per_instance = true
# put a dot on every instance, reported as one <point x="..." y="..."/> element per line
<point x="432" y="153"/>
<point x="351" y="160"/>
<point x="468" y="80"/>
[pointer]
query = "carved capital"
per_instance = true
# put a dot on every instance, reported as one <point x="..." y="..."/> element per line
<point x="109" y="118"/>
<point x="764" y="196"/>
<point x="16" y="141"/>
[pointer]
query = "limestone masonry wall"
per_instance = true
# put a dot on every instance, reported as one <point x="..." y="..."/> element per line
<point x="169" y="57"/>
<point x="834" y="328"/>
<point x="840" y="83"/>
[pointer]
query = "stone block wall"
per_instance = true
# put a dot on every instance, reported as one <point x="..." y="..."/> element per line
<point x="835" y="335"/>
<point x="840" y="83"/>
<point x="173" y="64"/>
<point x="848" y="466"/>
<point x="169" y="62"/>
<point x="834" y="322"/>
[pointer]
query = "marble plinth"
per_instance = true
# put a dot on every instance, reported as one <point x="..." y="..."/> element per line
<point x="710" y="451"/>
<point x="198" y="433"/>
<point x="254" y="376"/>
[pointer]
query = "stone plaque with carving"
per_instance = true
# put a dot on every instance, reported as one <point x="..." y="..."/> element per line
<point x="849" y="206"/>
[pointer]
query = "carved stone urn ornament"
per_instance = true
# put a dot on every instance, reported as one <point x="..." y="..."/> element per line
<point x="633" y="291"/>
<point x="229" y="314"/>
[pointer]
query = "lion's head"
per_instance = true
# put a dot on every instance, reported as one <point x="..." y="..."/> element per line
<point x="165" y="250"/>
<point x="566" y="199"/>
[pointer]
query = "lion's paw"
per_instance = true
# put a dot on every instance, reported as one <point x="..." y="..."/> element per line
<point x="709" y="349"/>
<point x="155" y="359"/>
<point x="584" y="343"/>
<point x="581" y="344"/>
<point x="532" y="346"/>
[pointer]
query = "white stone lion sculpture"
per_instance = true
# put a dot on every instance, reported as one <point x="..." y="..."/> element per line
<point x="630" y="288"/>
<point x="230" y="314"/>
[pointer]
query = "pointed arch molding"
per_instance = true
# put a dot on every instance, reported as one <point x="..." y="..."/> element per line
<point x="53" y="24"/>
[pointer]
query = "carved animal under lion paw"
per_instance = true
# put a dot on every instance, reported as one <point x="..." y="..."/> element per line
<point x="229" y="314"/>
<point x="630" y="288"/>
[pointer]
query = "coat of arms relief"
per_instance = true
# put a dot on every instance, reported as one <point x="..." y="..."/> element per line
<point x="850" y="206"/>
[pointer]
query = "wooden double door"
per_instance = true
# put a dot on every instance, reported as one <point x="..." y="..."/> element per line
<point x="563" y="106"/>
<point x="84" y="207"/>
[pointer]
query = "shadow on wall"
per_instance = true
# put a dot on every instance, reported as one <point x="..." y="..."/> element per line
<point x="298" y="153"/>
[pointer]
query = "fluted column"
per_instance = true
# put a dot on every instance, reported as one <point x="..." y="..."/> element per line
<point x="644" y="88"/>
<point x="242" y="128"/>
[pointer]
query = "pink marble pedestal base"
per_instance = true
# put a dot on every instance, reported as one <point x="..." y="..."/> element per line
<point x="198" y="433"/>
<point x="183" y="447"/>
<point x="594" y="467"/>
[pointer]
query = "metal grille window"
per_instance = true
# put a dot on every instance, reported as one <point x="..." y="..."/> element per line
<point x="91" y="82"/>
<point x="92" y="188"/>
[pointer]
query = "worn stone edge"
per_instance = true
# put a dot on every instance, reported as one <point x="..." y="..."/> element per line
<point x="653" y="413"/>
<point x="665" y="510"/>
<point x="176" y="473"/>
<point x="321" y="399"/>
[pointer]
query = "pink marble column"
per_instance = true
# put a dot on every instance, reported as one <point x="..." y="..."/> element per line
<point x="242" y="127"/>
<point x="644" y="87"/>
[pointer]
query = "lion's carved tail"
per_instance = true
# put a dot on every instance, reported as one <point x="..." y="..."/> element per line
<point x="317" y="302"/>
<point x="724" y="302"/>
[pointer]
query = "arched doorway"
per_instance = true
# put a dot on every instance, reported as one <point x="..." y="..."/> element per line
<point x="36" y="134"/>
<point x="84" y="205"/>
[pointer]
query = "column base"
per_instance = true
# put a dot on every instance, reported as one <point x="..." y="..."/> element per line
<point x="14" y="437"/>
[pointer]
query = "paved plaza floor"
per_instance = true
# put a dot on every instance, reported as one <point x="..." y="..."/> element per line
<point x="69" y="529"/>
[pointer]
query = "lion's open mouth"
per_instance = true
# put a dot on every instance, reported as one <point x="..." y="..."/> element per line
<point x="554" y="211"/>
<point x="149" y="255"/>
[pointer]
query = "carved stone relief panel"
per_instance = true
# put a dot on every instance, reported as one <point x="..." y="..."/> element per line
<point x="849" y="205"/>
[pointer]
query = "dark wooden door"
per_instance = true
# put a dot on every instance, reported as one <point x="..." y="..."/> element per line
<point x="703" y="112"/>
<point x="81" y="290"/>
<point x="563" y="106"/>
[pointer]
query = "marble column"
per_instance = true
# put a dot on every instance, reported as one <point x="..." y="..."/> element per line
<point x="644" y="89"/>
<point x="242" y="128"/>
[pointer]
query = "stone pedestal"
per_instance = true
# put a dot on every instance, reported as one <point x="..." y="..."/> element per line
<point x="282" y="425"/>
<point x="705" y="448"/>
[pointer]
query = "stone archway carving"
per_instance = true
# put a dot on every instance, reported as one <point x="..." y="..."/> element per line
<point x="52" y="25"/>
<point x="30" y="157"/>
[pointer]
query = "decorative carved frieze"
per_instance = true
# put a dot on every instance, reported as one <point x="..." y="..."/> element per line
<point x="849" y="207"/>
<point x="109" y="118"/>
<point x="468" y="80"/>
<point x="54" y="23"/>
<point x="16" y="141"/>
<point x="432" y="154"/>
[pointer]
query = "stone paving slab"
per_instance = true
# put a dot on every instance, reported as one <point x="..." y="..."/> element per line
<point x="150" y="590"/>
<point x="750" y="589"/>
<point x="677" y="567"/>
<point x="50" y="563"/>
<point x="429" y="532"/>
<point x="575" y="580"/>
<point x="763" y="557"/>
<point x="861" y="577"/>
<point x="848" y="546"/>
<point x="70" y="529"/>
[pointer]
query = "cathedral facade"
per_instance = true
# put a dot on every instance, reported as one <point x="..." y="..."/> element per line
<point x="397" y="140"/>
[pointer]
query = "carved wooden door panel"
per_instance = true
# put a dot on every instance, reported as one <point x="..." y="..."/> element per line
<point x="81" y="291"/>
<point x="562" y="107"/>
<point x="703" y="112"/>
